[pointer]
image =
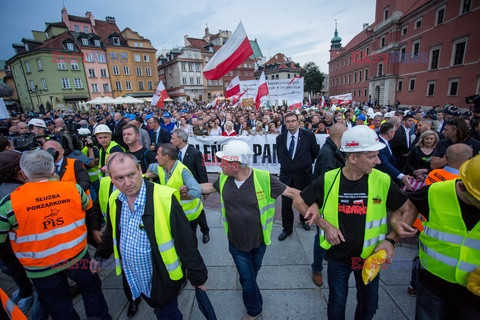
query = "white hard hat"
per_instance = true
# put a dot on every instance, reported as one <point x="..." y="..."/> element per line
<point x="37" y="123"/>
<point x="84" y="131"/>
<point x="102" y="128"/>
<point x="360" y="139"/>
<point x="235" y="150"/>
<point x="390" y="114"/>
<point x="370" y="113"/>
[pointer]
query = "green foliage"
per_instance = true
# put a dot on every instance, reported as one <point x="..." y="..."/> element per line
<point x="313" y="81"/>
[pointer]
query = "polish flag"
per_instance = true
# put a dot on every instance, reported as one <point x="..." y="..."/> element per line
<point x="230" y="55"/>
<point x="233" y="87"/>
<point x="296" y="105"/>
<point x="262" y="89"/>
<point x="159" y="96"/>
<point x="236" y="98"/>
<point x="323" y="103"/>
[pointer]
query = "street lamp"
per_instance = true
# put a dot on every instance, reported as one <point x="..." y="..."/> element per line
<point x="37" y="92"/>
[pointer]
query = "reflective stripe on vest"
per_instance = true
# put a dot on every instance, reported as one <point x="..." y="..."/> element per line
<point x="447" y="249"/>
<point x="13" y="312"/>
<point x="107" y="153"/>
<point x="94" y="173"/>
<point x="162" y="200"/>
<point x="193" y="207"/>
<point x="51" y="223"/>
<point x="266" y="204"/>
<point x="376" y="215"/>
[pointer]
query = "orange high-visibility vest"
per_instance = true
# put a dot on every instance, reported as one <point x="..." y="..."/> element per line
<point x="51" y="223"/>
<point x="439" y="175"/>
<point x="69" y="176"/>
<point x="13" y="312"/>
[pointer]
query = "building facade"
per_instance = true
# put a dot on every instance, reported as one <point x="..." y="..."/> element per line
<point x="415" y="53"/>
<point x="279" y="67"/>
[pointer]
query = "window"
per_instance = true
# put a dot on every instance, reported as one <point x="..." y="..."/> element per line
<point x="128" y="85"/>
<point x="96" y="42"/>
<point x="190" y="66"/>
<point x="367" y="51"/>
<point x="32" y="85"/>
<point x="399" y="85"/>
<point x="360" y="76"/>
<point x="366" y="74"/>
<point x="27" y="67"/>
<point x="140" y="45"/>
<point x="70" y="46"/>
<point x="411" y="86"/>
<point x="89" y="57"/>
<point x="74" y="65"/>
<point x="78" y="83"/>
<point x="146" y="58"/>
<point x="403" y="53"/>
<point x="65" y="83"/>
<point x="85" y="29"/>
<point x="118" y="85"/>
<point x="61" y="65"/>
<point x="382" y="42"/>
<point x="85" y="41"/>
<point x="430" y="88"/>
<point x="44" y="84"/>
<point x="39" y="65"/>
<point x="76" y="28"/>
<point x="91" y="73"/>
<point x="150" y="85"/>
<point x="184" y="80"/>
<point x="126" y="71"/>
<point x="197" y="66"/>
<point x="365" y="92"/>
<point x="199" y="81"/>
<point x="404" y="30"/>
<point x="440" y="16"/>
<point x="136" y="57"/>
<point x="385" y="14"/>
<point x="139" y="71"/>
<point x="415" y="48"/>
<point x="115" y="70"/>
<point x="434" y="58"/>
<point x="106" y="87"/>
<point x="140" y="86"/>
<point x="148" y="71"/>
<point x="94" y="87"/>
<point x="453" y="87"/>
<point x="184" y="68"/>
<point x="354" y="77"/>
<point x="191" y="80"/>
<point x="458" y="53"/>
<point x="380" y="69"/>
<point x="27" y="48"/>
<point x="116" y="41"/>
<point x="418" y="23"/>
<point x="101" y="57"/>
<point x="465" y="6"/>
<point x="103" y="73"/>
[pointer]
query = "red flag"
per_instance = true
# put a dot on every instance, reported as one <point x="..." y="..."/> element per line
<point x="236" y="98"/>
<point x="323" y="104"/>
<point x="262" y="89"/>
<point x="159" y="96"/>
<point x="296" y="105"/>
<point x="230" y="55"/>
<point x="233" y="87"/>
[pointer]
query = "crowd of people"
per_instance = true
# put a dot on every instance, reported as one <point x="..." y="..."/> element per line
<point x="126" y="182"/>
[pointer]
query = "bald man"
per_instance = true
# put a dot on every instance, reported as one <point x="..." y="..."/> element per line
<point x="456" y="155"/>
<point x="330" y="157"/>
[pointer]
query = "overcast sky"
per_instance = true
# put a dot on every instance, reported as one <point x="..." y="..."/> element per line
<point x="300" y="29"/>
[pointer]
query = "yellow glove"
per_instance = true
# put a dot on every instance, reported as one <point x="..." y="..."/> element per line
<point x="372" y="265"/>
<point x="473" y="282"/>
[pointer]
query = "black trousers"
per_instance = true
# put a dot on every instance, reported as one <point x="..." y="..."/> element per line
<point x="202" y="222"/>
<point x="287" y="212"/>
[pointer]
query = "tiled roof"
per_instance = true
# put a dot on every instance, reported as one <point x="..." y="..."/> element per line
<point x="56" y="24"/>
<point x="104" y="29"/>
<point x="55" y="43"/>
<point x="79" y="19"/>
<point x="282" y="62"/>
<point x="197" y="44"/>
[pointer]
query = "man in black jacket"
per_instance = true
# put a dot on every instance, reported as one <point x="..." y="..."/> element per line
<point x="193" y="160"/>
<point x="297" y="149"/>
<point x="135" y="240"/>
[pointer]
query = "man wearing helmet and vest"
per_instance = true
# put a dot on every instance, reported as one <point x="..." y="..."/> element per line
<point x="449" y="245"/>
<point x="151" y="241"/>
<point x="353" y="217"/>
<point x="104" y="138"/>
<point x="247" y="197"/>
<point x="45" y="220"/>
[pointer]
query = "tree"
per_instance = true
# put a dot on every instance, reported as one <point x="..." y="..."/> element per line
<point x="313" y="78"/>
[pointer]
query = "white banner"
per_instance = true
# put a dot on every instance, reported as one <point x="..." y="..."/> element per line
<point x="3" y="110"/>
<point x="342" y="99"/>
<point x="286" y="89"/>
<point x="264" y="148"/>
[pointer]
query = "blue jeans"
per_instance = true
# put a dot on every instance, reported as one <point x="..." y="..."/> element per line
<point x="248" y="264"/>
<point x="55" y="298"/>
<point x="169" y="311"/>
<point x="367" y="295"/>
<point x="318" y="254"/>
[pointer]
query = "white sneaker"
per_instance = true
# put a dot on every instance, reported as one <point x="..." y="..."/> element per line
<point x="249" y="317"/>
<point x="25" y="304"/>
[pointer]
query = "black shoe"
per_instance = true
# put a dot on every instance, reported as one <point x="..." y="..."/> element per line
<point x="284" y="235"/>
<point x="133" y="307"/>
<point x="305" y="226"/>
<point x="206" y="238"/>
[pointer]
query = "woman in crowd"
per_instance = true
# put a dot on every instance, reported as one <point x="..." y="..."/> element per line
<point x="258" y="128"/>
<point x="185" y="126"/>
<point x="418" y="161"/>
<point x="214" y="128"/>
<point x="244" y="129"/>
<point x="272" y="129"/>
<point x="229" y="131"/>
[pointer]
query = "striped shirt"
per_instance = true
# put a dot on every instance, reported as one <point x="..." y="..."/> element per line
<point x="135" y="248"/>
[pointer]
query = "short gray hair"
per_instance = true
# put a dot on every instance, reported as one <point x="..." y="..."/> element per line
<point x="181" y="134"/>
<point x="37" y="164"/>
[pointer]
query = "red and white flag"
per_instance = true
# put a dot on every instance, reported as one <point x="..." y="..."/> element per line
<point x="293" y="79"/>
<point x="159" y="96"/>
<point x="230" y="55"/>
<point x="295" y="105"/>
<point x="262" y="89"/>
<point x="323" y="103"/>
<point x="233" y="87"/>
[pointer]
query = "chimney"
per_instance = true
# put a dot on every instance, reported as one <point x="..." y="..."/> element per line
<point x="65" y="16"/>
<point x="89" y="15"/>
<point x="110" y="19"/>
<point x="365" y="26"/>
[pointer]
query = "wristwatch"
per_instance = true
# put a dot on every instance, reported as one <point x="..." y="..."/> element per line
<point x="391" y="241"/>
